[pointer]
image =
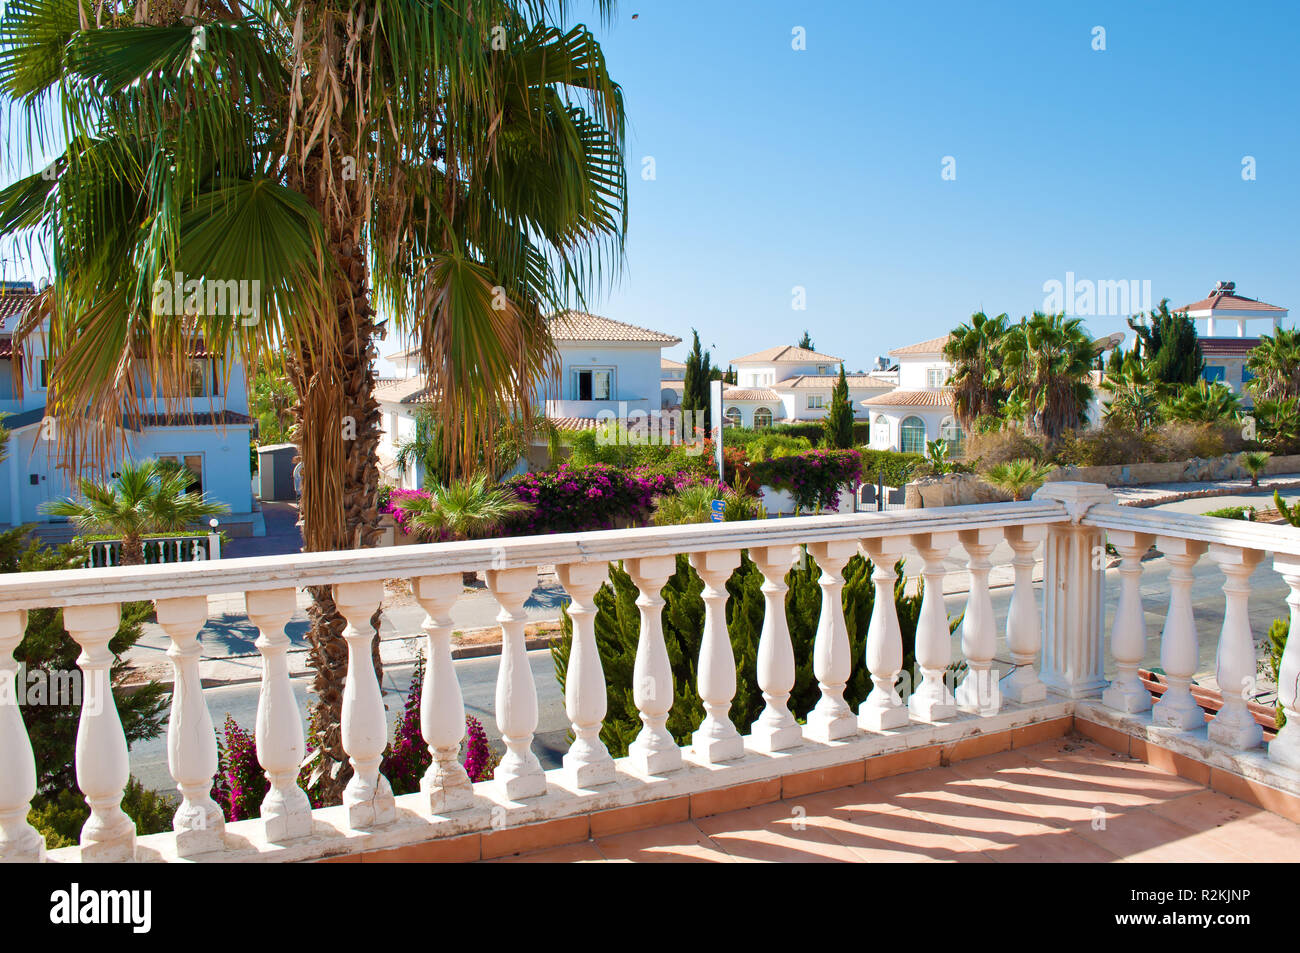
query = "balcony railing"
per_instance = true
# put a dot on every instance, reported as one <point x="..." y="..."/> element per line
<point x="1057" y="653"/>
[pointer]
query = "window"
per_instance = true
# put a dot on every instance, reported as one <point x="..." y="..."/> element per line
<point x="1246" y="375"/>
<point x="733" y="416"/>
<point x="911" y="435"/>
<point x="762" y="418"/>
<point x="193" y="384"/>
<point x="1214" y="372"/>
<point x="7" y="389"/>
<point x="950" y="432"/>
<point x="880" y="432"/>
<point x="935" y="377"/>
<point x="192" y="462"/>
<point x="823" y="369"/>
<point x="42" y="374"/>
<point x="816" y="401"/>
<point x="596" y="383"/>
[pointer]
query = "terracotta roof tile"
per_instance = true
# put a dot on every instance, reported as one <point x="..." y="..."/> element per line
<point x="787" y="352"/>
<point x="1227" y="347"/>
<point x="1231" y="302"/>
<point x="912" y="398"/>
<point x="824" y="381"/>
<point x="582" y="326"/>
<point x="666" y="363"/>
<point x="932" y="346"/>
<point x="403" y="390"/>
<point x="750" y="393"/>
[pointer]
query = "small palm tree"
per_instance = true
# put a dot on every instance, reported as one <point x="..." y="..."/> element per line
<point x="463" y="509"/>
<point x="1019" y="477"/>
<point x="694" y="504"/>
<point x="147" y="497"/>
<point x="1203" y="402"/>
<point x="1254" y="463"/>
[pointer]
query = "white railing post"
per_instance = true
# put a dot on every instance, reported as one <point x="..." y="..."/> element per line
<point x="932" y="700"/>
<point x="286" y="810"/>
<point x="1285" y="748"/>
<point x="1234" y="725"/>
<point x="832" y="653"/>
<point x="979" y="692"/>
<point x="102" y="758"/>
<point x="775" y="729"/>
<point x="1074" y="577"/>
<point x="519" y="772"/>
<point x="1128" y="634"/>
<point x="19" y="841"/>
<point x="214" y="540"/>
<point x="1178" y="645"/>
<point x="883" y="709"/>
<point x="368" y="797"/>
<point x="1024" y="626"/>
<point x="442" y="706"/>
<point x="191" y="742"/>
<point x="587" y="762"/>
<point x="716" y="740"/>
<point x="654" y="751"/>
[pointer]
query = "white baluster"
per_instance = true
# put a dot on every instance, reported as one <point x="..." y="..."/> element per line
<point x="883" y="709"/>
<point x="1178" y="649"/>
<point x="191" y="742"/>
<point x="587" y="763"/>
<point x="654" y="751"/>
<point x="1024" y="627"/>
<point x="19" y="841"/>
<point x="1128" y="637"/>
<point x="442" y="707"/>
<point x="1285" y="748"/>
<point x="286" y="811"/>
<point x="932" y="700"/>
<point x="979" y="692"/>
<point x="1234" y="725"/>
<point x="832" y="655"/>
<point x="520" y="773"/>
<point x="775" y="729"/>
<point x="102" y="761"/>
<point x="368" y="797"/>
<point x="716" y="740"/>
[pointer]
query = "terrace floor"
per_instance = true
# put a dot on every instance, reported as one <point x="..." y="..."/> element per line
<point x="1068" y="799"/>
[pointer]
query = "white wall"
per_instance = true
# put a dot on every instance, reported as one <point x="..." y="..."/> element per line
<point x="912" y="371"/>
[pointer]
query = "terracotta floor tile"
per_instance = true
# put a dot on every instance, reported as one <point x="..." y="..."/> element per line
<point x="1138" y="834"/>
<point x="1240" y="827"/>
<point x="568" y="854"/>
<point x="901" y="837"/>
<point x="671" y="843"/>
<point x="784" y="831"/>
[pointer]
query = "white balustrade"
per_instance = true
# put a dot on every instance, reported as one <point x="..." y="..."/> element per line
<point x="1128" y="638"/>
<point x="933" y="700"/>
<point x="978" y="692"/>
<point x="1285" y="748"/>
<point x="775" y="729"/>
<point x="1024" y="631"/>
<point x="1178" y="644"/>
<point x="1234" y="725"/>
<point x="653" y="751"/>
<point x="716" y="740"/>
<point x="832" y="718"/>
<point x="519" y="773"/>
<point x="368" y="798"/>
<point x="286" y="810"/>
<point x="883" y="709"/>
<point x="191" y="742"/>
<point x="445" y="784"/>
<point x="587" y="762"/>
<point x="102" y="758"/>
<point x="19" y="841"/>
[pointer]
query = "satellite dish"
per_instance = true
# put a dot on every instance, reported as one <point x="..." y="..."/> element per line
<point x="1108" y="343"/>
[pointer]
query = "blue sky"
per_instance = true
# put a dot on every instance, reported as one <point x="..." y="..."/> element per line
<point x="821" y="168"/>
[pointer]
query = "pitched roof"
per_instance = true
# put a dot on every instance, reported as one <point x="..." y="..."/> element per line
<point x="824" y="381"/>
<point x="666" y="363"/>
<point x="749" y="393"/>
<point x="1227" y="347"/>
<point x="932" y="346"/>
<point x="1231" y="302"/>
<point x="672" y="385"/>
<point x="12" y="304"/>
<point x="912" y="398"/>
<point x="788" y="353"/>
<point x="582" y="326"/>
<point x="403" y="390"/>
<point x="220" y="418"/>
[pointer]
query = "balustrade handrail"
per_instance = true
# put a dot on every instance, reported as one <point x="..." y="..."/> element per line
<point x="125" y="584"/>
<point x="1245" y="534"/>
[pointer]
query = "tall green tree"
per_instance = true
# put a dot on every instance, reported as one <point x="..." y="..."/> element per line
<point x="837" y="425"/>
<point x="1275" y="362"/>
<point x="456" y="163"/>
<point x="1050" y="356"/>
<point x="805" y="342"/>
<point x="695" y="383"/>
<point x="976" y="379"/>
<point x="1168" y="345"/>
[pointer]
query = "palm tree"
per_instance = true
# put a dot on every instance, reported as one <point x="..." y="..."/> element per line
<point x="515" y="436"/>
<point x="1050" y="357"/>
<point x="1275" y="362"/>
<point x="458" y="163"/>
<point x="1134" y="399"/>
<point x="976" y="379"/>
<point x="1278" y="422"/>
<point x="1203" y="402"/>
<point x="146" y="497"/>
<point x="1019" y="477"/>
<point x="1254" y="462"/>
<point x="463" y="509"/>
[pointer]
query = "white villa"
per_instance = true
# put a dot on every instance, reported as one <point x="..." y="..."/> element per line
<point x="1225" y="356"/>
<point x="920" y="407"/>
<point x="210" y="437"/>
<point x="788" y="384"/>
<point x="606" y="367"/>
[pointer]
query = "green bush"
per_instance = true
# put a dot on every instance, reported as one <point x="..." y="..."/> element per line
<point x="657" y="458"/>
<point x="59" y="815"/>
<point x="771" y="445"/>
<point x="1233" y="513"/>
<point x="811" y="430"/>
<point x="895" y="468"/>
<point x="618" y="623"/>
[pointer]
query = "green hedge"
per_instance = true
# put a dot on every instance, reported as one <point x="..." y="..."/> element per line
<point x="896" y="468"/>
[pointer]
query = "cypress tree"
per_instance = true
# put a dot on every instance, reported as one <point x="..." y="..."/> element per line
<point x="695" y="384"/>
<point x="837" y="425"/>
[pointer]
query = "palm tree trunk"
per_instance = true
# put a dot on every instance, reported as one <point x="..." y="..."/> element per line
<point x="131" y="551"/>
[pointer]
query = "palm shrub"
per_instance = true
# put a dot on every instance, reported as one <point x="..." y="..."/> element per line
<point x="979" y="387"/>
<point x="1254" y="462"/>
<point x="464" y="509"/>
<point x="768" y="446"/>
<point x="695" y="505"/>
<point x="1289" y="513"/>
<point x="1203" y="402"/>
<point x="147" y="497"/>
<point x="618" y="623"/>
<point x="1019" y="477"/>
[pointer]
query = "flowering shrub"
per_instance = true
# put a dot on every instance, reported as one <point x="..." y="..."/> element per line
<point x="239" y="784"/>
<point x="813" y="478"/>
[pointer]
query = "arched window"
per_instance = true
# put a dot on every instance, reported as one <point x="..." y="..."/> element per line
<point x="911" y="435"/>
<point x="733" y="416"/>
<point x="950" y="431"/>
<point x="762" y="418"/>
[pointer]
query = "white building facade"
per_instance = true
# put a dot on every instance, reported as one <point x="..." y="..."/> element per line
<point x="789" y="384"/>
